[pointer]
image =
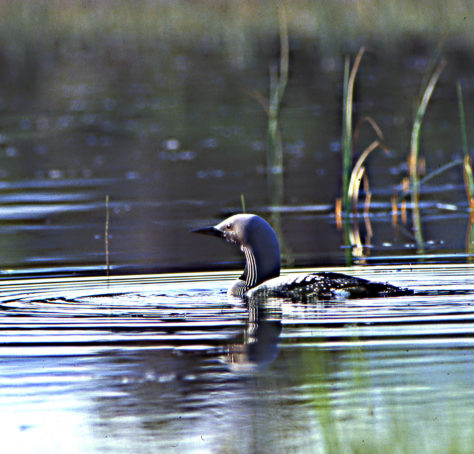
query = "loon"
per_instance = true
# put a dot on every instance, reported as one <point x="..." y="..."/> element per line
<point x="261" y="277"/>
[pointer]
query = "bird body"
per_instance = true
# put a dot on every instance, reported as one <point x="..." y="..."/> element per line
<point x="261" y="276"/>
<point x="323" y="286"/>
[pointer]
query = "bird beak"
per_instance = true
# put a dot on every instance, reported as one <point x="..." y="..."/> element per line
<point x="209" y="231"/>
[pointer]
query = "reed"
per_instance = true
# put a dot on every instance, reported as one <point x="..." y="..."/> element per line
<point x="470" y="238"/>
<point x="346" y="139"/>
<point x="278" y="82"/>
<point x="467" y="173"/>
<point x="242" y="202"/>
<point x="272" y="107"/>
<point x="358" y="171"/>
<point x="354" y="175"/>
<point x="274" y="151"/>
<point x="347" y="145"/>
<point x="106" y="234"/>
<point x="415" y="151"/>
<point x="467" y="164"/>
<point x="343" y="208"/>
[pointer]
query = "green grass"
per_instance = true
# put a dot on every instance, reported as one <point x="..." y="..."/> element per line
<point x="347" y="146"/>
<point x="106" y="236"/>
<point x="353" y="175"/>
<point x="467" y="164"/>
<point x="278" y="82"/>
<point x="414" y="151"/>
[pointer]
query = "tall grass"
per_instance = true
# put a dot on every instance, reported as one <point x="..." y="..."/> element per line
<point x="467" y="172"/>
<point x="278" y="82"/>
<point x="467" y="164"/>
<point x="343" y="208"/>
<point x="354" y="175"/>
<point x="272" y="107"/>
<point x="348" y="95"/>
<point x="274" y="151"/>
<point x="242" y="202"/>
<point x="358" y="171"/>
<point x="415" y="151"/>
<point x="106" y="236"/>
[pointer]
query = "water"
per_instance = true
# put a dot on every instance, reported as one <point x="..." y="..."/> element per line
<point x="175" y="139"/>
<point x="167" y="363"/>
<point x="169" y="128"/>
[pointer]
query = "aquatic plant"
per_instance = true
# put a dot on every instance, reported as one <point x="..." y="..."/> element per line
<point x="467" y="164"/>
<point x="358" y="171"/>
<point x="413" y="161"/>
<point x="272" y="107"/>
<point x="348" y="94"/>
<point x="467" y="173"/>
<point x="242" y="202"/>
<point x="274" y="150"/>
<point x="354" y="175"/>
<point x="278" y="81"/>
<point x="106" y="236"/>
<point x="342" y="208"/>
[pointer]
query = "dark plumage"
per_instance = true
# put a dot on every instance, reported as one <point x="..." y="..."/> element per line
<point x="261" y="276"/>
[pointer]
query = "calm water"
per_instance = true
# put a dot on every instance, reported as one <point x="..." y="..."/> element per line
<point x="176" y="137"/>
<point x="173" y="134"/>
<point x="167" y="363"/>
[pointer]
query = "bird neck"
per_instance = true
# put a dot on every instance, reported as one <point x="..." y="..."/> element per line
<point x="260" y="267"/>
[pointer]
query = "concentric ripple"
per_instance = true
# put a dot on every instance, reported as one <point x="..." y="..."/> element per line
<point x="168" y="363"/>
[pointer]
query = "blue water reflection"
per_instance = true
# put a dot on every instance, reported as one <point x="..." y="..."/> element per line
<point x="169" y="363"/>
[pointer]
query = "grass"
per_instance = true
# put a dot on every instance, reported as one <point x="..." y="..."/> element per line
<point x="467" y="164"/>
<point x="242" y="202"/>
<point x="354" y="175"/>
<point x="358" y="171"/>
<point x="278" y="82"/>
<point x="348" y="94"/>
<point x="414" y="182"/>
<point x="467" y="172"/>
<point x="106" y="235"/>
<point x="415" y="151"/>
<point x="272" y="107"/>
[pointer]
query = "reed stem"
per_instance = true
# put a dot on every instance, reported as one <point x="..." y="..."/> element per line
<point x="467" y="164"/>
<point x="348" y="95"/>
<point x="462" y="119"/>
<point x="414" y="153"/>
<point x="242" y="201"/>
<point x="107" y="255"/>
<point x="278" y="82"/>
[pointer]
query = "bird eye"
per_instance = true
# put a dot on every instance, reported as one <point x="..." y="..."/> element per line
<point x="228" y="226"/>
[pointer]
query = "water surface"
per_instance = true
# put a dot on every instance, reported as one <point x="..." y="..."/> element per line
<point x="167" y="363"/>
<point x="169" y="127"/>
<point x="174" y="137"/>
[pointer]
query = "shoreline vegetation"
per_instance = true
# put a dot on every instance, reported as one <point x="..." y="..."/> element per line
<point x="233" y="27"/>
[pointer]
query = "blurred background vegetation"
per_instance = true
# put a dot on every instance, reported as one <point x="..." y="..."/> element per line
<point x="232" y="27"/>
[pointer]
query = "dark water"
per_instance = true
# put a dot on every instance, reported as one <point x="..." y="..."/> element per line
<point x="170" y="364"/>
<point x="175" y="139"/>
<point x="166" y="363"/>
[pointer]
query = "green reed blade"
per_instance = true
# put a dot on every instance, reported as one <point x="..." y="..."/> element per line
<point x="414" y="152"/>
